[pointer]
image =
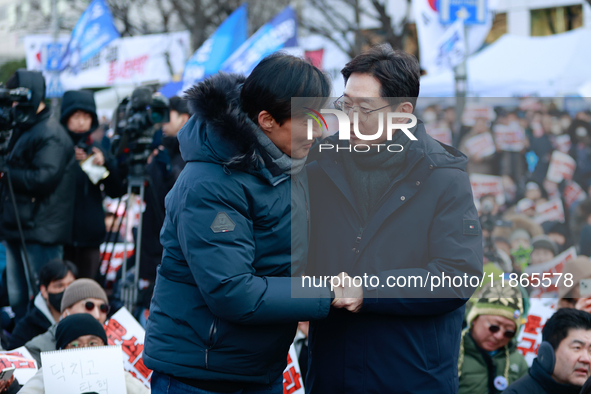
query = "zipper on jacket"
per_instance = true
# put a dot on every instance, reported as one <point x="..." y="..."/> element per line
<point x="358" y="240"/>
<point x="212" y="331"/>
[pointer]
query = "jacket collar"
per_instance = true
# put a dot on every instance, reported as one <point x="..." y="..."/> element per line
<point x="548" y="383"/>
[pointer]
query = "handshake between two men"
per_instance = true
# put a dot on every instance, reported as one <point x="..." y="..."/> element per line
<point x="347" y="295"/>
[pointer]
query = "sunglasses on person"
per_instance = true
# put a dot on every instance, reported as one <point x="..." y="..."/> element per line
<point x="493" y="328"/>
<point x="89" y="305"/>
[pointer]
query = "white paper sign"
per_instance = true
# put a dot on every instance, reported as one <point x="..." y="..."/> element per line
<point x="83" y="370"/>
<point x="554" y="266"/>
<point x="562" y="166"/>
<point x="475" y="111"/>
<point x="487" y="184"/>
<point x="480" y="145"/>
<point x="530" y="334"/>
<point x="572" y="193"/>
<point x="510" y="138"/>
<point x="24" y="364"/>
<point x="123" y="330"/>
<point x="563" y="143"/>
<point x="292" y="375"/>
<point x="550" y="211"/>
<point x="94" y="172"/>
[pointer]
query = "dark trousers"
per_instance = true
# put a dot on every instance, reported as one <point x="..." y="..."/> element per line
<point x="87" y="259"/>
<point x="22" y="279"/>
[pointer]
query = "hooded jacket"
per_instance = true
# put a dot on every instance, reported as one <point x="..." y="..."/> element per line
<point x="222" y="308"/>
<point x="41" y="165"/>
<point x="405" y="338"/>
<point x="538" y="381"/>
<point x="89" y="216"/>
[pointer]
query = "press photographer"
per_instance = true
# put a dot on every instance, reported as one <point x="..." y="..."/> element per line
<point x="36" y="190"/>
<point x="78" y="116"/>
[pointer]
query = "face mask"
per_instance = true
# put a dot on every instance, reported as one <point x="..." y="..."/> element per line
<point x="55" y="300"/>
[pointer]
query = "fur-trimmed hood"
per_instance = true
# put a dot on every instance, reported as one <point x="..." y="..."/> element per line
<point x="219" y="131"/>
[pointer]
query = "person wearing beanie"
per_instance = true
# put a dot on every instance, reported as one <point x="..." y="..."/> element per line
<point x="40" y="169"/>
<point x="78" y="116"/>
<point x="82" y="296"/>
<point x="558" y="232"/>
<point x="489" y="360"/>
<point x="74" y="332"/>
<point x="544" y="249"/>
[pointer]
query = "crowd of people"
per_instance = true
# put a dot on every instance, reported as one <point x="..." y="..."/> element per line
<point x="237" y="201"/>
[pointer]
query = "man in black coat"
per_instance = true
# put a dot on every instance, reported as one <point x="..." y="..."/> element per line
<point x="78" y="116"/>
<point x="563" y="364"/>
<point x="396" y="213"/>
<point x="40" y="168"/>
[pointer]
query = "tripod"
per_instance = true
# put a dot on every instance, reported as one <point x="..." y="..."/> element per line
<point x="129" y="294"/>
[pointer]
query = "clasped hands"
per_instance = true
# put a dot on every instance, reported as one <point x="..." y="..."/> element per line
<point x="347" y="295"/>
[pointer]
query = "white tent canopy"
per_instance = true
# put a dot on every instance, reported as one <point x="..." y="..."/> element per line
<point x="549" y="66"/>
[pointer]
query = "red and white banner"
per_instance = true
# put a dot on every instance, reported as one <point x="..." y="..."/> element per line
<point x="24" y="364"/>
<point x="550" y="211"/>
<point x="562" y="166"/>
<point x="440" y="132"/>
<point x="125" y="61"/>
<point x="481" y="145"/>
<point x="115" y="257"/>
<point x="563" y="143"/>
<point x="122" y="329"/>
<point x="293" y="382"/>
<point x="487" y="184"/>
<point x="548" y="269"/>
<point x="573" y="193"/>
<point x="475" y="111"/>
<point x="530" y="334"/>
<point x="510" y="138"/>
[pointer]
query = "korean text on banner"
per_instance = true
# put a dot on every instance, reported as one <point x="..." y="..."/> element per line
<point x="280" y="32"/>
<point x="481" y="145"/>
<point x="292" y="378"/>
<point x="530" y="335"/>
<point x="82" y="370"/>
<point x="487" y="184"/>
<point x="208" y="59"/>
<point x="24" y="364"/>
<point x="562" y="166"/>
<point x="440" y="132"/>
<point x="123" y="330"/>
<point x="509" y="138"/>
<point x="94" y="30"/>
<point x="550" y="211"/>
<point x="546" y="271"/>
<point x="573" y="193"/>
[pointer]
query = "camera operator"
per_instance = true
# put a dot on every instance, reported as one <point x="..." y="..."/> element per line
<point x="40" y="166"/>
<point x="78" y="116"/>
<point x="163" y="169"/>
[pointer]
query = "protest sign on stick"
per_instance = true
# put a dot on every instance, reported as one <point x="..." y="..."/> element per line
<point x="562" y="166"/>
<point x="481" y="145"/>
<point x="24" y="364"/>
<point x="550" y="211"/>
<point x="510" y="138"/>
<point x="487" y="184"/>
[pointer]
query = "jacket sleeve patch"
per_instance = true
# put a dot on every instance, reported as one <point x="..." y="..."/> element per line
<point x="222" y="223"/>
<point x="471" y="227"/>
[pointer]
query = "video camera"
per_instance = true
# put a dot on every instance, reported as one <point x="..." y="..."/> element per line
<point x="137" y="119"/>
<point x="11" y="115"/>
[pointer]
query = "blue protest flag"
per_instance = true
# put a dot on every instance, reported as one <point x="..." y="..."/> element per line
<point x="280" y="32"/>
<point x="217" y="48"/>
<point x="93" y="31"/>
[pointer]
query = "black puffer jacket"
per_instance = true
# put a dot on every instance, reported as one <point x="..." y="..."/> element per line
<point x="41" y="165"/>
<point x="89" y="216"/>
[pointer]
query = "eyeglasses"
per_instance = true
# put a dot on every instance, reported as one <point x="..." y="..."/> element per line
<point x="92" y="343"/>
<point x="341" y="105"/>
<point x="105" y="308"/>
<point x="493" y="328"/>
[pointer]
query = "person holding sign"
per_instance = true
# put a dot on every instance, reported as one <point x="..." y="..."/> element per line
<point x="477" y="163"/>
<point x="75" y="332"/>
<point x="79" y="118"/>
<point x="489" y="360"/>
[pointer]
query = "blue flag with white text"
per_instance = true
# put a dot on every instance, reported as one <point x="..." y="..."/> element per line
<point x="93" y="31"/>
<point x="280" y="32"/>
<point x="228" y="37"/>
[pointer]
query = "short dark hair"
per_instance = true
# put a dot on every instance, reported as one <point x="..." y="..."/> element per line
<point x="398" y="72"/>
<point x="275" y="80"/>
<point x="56" y="269"/>
<point x="565" y="319"/>
<point x="179" y="105"/>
